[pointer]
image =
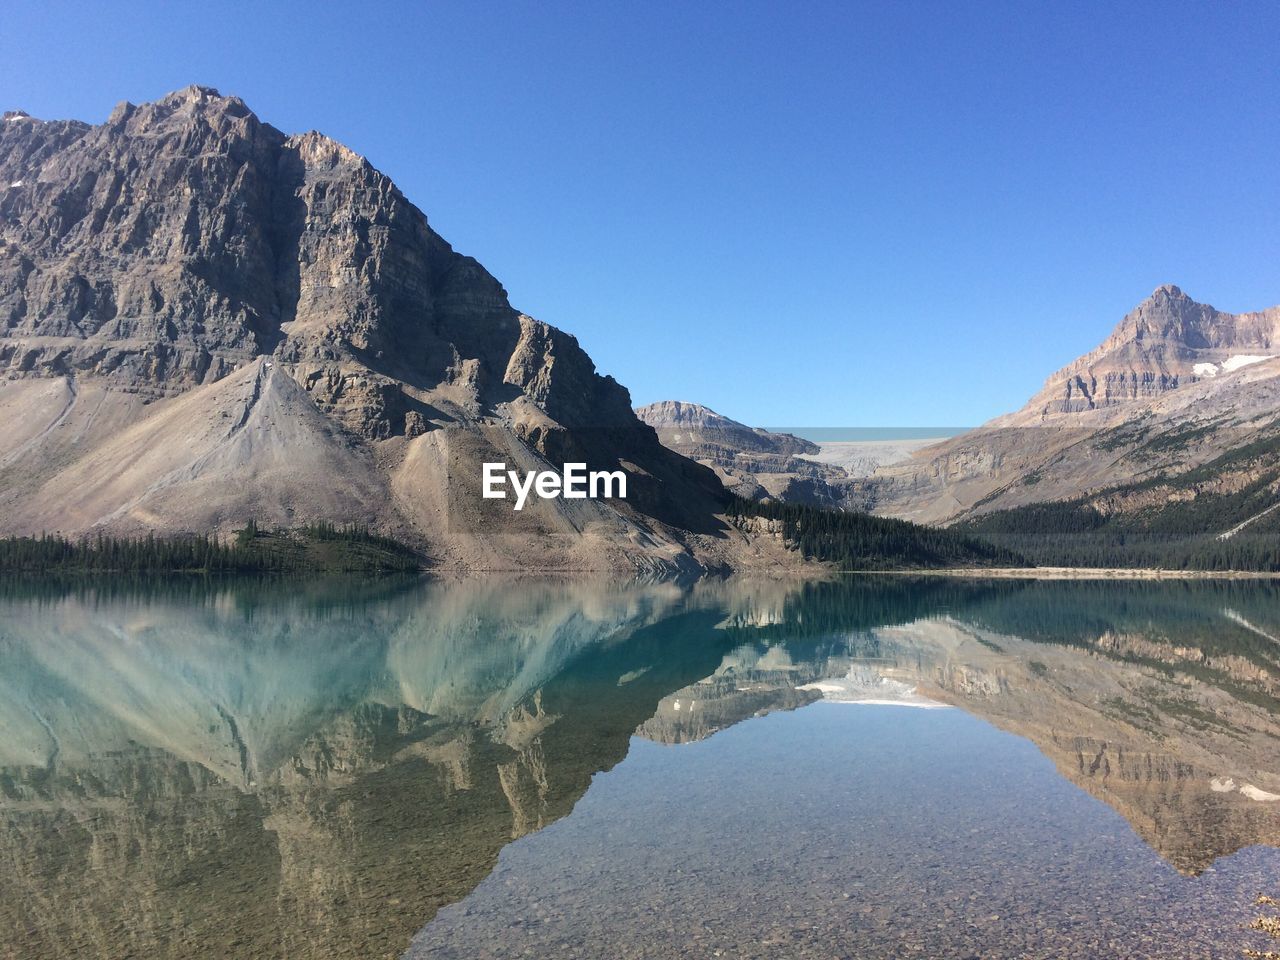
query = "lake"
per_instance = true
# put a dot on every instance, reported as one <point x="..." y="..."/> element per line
<point x="872" y="767"/>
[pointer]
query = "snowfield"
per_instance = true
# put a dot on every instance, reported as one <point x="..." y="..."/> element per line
<point x="1229" y="365"/>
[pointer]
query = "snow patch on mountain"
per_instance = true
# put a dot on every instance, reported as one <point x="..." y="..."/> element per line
<point x="1242" y="360"/>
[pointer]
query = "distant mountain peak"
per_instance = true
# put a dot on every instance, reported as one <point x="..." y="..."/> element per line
<point x="1175" y="385"/>
<point x="681" y="423"/>
<point x="682" y="413"/>
<point x="1168" y="341"/>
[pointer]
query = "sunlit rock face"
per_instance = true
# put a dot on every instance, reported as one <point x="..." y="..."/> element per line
<point x="1168" y="341"/>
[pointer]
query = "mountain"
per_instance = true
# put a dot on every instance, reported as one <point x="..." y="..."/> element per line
<point x="753" y="463"/>
<point x="702" y="428"/>
<point x="1168" y="342"/>
<point x="1170" y="429"/>
<point x="204" y="320"/>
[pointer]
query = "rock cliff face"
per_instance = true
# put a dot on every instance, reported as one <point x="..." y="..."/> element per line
<point x="1177" y="386"/>
<point x="185" y="270"/>
<point x="184" y="238"/>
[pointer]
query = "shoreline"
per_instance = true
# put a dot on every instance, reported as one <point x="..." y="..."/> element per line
<point x="453" y="574"/>
<point x="1079" y="573"/>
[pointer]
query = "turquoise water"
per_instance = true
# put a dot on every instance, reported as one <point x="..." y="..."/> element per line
<point x="870" y="768"/>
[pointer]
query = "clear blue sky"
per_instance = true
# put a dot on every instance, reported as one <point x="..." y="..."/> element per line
<point x="800" y="213"/>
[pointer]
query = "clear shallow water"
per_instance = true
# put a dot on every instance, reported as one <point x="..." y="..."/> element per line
<point x="844" y="831"/>
<point x="516" y="769"/>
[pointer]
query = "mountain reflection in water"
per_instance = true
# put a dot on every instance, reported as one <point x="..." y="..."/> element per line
<point x="249" y="770"/>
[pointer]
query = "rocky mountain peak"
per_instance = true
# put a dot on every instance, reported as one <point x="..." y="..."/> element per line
<point x="184" y="237"/>
<point x="679" y="413"/>
<point x="688" y="427"/>
<point x="193" y="114"/>
<point x="195" y="99"/>
<point x="1168" y="291"/>
<point x="1167" y="341"/>
<point x="197" y="93"/>
<point x="685" y="423"/>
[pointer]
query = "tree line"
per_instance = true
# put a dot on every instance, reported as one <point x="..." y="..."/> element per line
<point x="858" y="541"/>
<point x="320" y="547"/>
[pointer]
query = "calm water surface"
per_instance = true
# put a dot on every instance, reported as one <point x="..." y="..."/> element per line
<point x="871" y="768"/>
